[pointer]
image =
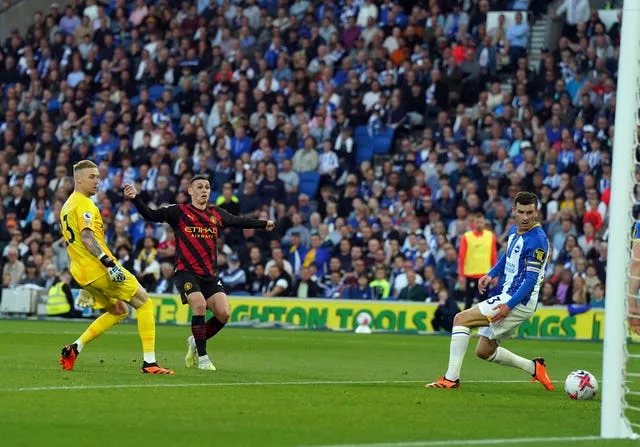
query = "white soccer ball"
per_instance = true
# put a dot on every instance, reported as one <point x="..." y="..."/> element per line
<point x="581" y="385"/>
<point x="364" y="319"/>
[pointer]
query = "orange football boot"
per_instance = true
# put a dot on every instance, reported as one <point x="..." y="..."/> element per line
<point x="153" y="368"/>
<point x="541" y="375"/>
<point x="443" y="382"/>
<point x="68" y="356"/>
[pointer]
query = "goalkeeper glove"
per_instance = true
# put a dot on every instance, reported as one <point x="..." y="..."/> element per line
<point x="85" y="299"/>
<point x="116" y="274"/>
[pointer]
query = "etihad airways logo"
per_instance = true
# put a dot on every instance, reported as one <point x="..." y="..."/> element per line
<point x="202" y="232"/>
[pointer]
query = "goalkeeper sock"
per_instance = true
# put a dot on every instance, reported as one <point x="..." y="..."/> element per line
<point x="101" y="324"/>
<point x="79" y="345"/>
<point x="214" y="326"/>
<point x="457" y="350"/>
<point x="507" y="358"/>
<point x="147" y="331"/>
<point x="199" y="331"/>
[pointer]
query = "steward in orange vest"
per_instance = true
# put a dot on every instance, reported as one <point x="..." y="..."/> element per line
<point x="477" y="254"/>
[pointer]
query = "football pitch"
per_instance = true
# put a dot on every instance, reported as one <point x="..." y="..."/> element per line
<point x="284" y="388"/>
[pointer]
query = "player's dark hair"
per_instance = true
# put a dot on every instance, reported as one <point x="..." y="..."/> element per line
<point x="526" y="198"/>
<point x="199" y="177"/>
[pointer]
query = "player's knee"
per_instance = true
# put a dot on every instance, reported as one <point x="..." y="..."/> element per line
<point x="223" y="315"/>
<point x="198" y="307"/>
<point x="459" y="319"/>
<point x="120" y="310"/>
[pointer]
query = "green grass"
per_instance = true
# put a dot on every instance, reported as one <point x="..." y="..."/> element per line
<point x="242" y="404"/>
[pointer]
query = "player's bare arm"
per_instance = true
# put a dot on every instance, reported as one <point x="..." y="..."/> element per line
<point x="91" y="244"/>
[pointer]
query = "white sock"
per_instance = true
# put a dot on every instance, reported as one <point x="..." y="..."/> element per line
<point x="150" y="357"/>
<point x="457" y="350"/>
<point x="79" y="345"/>
<point x="507" y="358"/>
<point x="204" y="359"/>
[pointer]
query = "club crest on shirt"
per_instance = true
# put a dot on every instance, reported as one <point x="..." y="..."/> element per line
<point x="213" y="220"/>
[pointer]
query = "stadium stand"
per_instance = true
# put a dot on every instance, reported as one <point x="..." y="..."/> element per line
<point x="428" y="114"/>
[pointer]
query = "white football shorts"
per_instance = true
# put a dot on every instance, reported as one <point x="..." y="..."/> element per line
<point x="507" y="327"/>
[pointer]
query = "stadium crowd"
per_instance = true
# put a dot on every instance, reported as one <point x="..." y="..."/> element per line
<point x="271" y="99"/>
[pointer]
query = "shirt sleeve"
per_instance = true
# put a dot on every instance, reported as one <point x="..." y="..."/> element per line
<point x="86" y="214"/>
<point x="170" y="214"/>
<point x="230" y="220"/>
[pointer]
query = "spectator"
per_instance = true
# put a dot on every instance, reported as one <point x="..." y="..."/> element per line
<point x="234" y="277"/>
<point x="165" y="283"/>
<point x="518" y="36"/>
<point x="307" y="287"/>
<point x="14" y="269"/>
<point x="361" y="291"/>
<point x="443" y="316"/>
<point x="257" y="281"/>
<point x="412" y="291"/>
<point x="279" y="282"/>
<point x="380" y="287"/>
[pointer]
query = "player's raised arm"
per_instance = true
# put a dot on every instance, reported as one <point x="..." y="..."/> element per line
<point x="164" y="214"/>
<point x="230" y="220"/>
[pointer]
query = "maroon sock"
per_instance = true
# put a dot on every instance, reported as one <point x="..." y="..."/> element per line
<point x="213" y="327"/>
<point x="199" y="331"/>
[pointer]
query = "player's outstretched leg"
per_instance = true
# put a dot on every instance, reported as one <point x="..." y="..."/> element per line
<point x="489" y="350"/>
<point x="103" y="323"/>
<point x="147" y="332"/>
<point x="199" y="333"/>
<point x="462" y="324"/>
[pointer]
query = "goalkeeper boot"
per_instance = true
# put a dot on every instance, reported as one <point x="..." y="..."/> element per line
<point x="68" y="356"/>
<point x="191" y="359"/>
<point x="541" y="375"/>
<point x="443" y="382"/>
<point x="154" y="368"/>
<point x="205" y="363"/>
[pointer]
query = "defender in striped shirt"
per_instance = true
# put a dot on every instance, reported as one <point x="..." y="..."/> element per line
<point x="521" y="273"/>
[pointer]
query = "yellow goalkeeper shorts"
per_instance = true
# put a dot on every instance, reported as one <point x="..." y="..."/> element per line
<point x="106" y="292"/>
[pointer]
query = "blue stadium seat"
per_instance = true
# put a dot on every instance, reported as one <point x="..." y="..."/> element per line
<point x="309" y="183"/>
<point x="364" y="144"/>
<point x="382" y="143"/>
<point x="239" y="293"/>
<point x="155" y="92"/>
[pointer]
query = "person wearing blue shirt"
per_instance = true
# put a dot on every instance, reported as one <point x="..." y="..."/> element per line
<point x="520" y="272"/>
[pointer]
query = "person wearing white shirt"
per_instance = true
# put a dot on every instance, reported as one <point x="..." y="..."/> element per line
<point x="366" y="11"/>
<point x="576" y="11"/>
<point x="328" y="160"/>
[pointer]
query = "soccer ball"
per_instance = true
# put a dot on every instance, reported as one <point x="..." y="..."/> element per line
<point x="581" y="385"/>
<point x="364" y="319"/>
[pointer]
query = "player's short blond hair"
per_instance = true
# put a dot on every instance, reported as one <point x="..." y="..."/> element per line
<point x="84" y="164"/>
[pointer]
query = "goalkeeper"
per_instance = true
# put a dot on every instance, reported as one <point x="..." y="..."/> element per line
<point x="106" y="284"/>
